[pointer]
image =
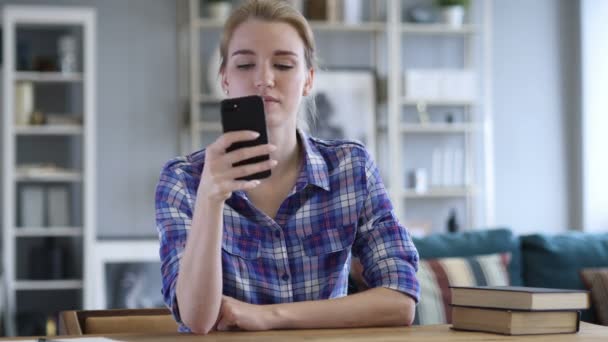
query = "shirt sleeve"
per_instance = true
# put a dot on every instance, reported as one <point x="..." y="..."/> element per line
<point x="383" y="245"/>
<point x="173" y="219"/>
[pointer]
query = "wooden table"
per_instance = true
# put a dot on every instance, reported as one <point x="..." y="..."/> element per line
<point x="435" y="333"/>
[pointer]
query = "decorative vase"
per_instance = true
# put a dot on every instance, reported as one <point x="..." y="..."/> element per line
<point x="219" y="10"/>
<point x="453" y="16"/>
<point x="68" y="54"/>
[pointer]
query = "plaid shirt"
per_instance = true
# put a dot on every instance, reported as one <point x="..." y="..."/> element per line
<point x="337" y="207"/>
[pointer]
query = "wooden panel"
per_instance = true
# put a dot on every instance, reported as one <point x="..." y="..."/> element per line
<point x="142" y="321"/>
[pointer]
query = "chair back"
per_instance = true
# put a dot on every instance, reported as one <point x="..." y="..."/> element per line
<point x="118" y="321"/>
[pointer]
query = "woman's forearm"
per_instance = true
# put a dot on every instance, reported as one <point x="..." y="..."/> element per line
<point x="199" y="283"/>
<point x="374" y="307"/>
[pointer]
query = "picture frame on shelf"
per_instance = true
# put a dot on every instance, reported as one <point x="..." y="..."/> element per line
<point x="126" y="275"/>
<point x="346" y="105"/>
<point x="128" y="285"/>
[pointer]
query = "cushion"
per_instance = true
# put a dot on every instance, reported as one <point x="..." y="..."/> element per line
<point x="556" y="260"/>
<point x="596" y="280"/>
<point x="471" y="243"/>
<point x="437" y="275"/>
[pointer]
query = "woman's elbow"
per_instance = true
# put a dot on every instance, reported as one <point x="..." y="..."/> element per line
<point x="198" y="321"/>
<point x="198" y="325"/>
<point x="200" y="330"/>
<point x="406" y="311"/>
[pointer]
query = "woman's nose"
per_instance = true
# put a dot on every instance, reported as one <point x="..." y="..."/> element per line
<point x="265" y="78"/>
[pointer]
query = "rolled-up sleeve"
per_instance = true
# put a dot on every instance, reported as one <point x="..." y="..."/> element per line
<point x="173" y="220"/>
<point x="383" y="245"/>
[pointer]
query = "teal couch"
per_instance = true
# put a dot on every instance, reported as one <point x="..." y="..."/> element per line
<point x="537" y="260"/>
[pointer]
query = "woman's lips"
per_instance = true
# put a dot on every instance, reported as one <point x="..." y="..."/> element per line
<point x="269" y="99"/>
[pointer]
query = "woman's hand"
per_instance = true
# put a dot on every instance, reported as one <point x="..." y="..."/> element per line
<point x="218" y="180"/>
<point x="237" y="315"/>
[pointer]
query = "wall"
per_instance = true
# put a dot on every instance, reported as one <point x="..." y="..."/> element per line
<point x="594" y="54"/>
<point x="137" y="127"/>
<point x="535" y="94"/>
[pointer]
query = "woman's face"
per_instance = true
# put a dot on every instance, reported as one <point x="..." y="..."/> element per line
<point x="267" y="59"/>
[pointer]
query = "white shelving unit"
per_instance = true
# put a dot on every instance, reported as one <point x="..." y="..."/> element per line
<point x="52" y="21"/>
<point x="386" y="34"/>
<point x="473" y="129"/>
<point x="55" y="77"/>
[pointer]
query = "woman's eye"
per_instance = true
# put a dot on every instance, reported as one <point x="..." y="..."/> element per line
<point x="283" y="66"/>
<point x="245" y="66"/>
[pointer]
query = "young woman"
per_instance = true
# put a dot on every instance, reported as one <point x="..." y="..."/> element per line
<point x="276" y="253"/>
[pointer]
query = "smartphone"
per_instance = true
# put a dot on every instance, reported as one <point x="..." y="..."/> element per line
<point x="246" y="113"/>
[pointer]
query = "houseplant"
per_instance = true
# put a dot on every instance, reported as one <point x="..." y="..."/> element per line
<point x="452" y="11"/>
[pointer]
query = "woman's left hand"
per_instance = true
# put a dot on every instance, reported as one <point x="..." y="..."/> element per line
<point x="237" y="315"/>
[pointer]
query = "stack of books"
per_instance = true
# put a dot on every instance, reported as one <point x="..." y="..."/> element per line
<point x="513" y="310"/>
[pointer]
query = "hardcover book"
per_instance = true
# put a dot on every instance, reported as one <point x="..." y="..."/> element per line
<point x="512" y="322"/>
<point x="520" y="298"/>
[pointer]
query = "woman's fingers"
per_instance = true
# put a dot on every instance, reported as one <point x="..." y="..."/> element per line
<point x="237" y="185"/>
<point x="229" y="138"/>
<point x="219" y="176"/>
<point x="250" y="169"/>
<point x="248" y="152"/>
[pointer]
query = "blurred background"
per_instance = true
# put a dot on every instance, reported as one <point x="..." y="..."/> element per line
<point x="479" y="114"/>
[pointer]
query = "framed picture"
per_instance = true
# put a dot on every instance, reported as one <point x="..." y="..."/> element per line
<point x="346" y="106"/>
<point x="126" y="275"/>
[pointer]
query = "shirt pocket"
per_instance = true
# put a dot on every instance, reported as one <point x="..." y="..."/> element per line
<point x="329" y="240"/>
<point x="242" y="246"/>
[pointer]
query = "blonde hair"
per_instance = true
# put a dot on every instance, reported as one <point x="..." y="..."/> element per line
<point x="277" y="11"/>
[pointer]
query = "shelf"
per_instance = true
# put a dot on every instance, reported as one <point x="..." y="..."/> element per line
<point x="445" y="192"/>
<point x="48" y="284"/>
<point x="437" y="128"/>
<point x="209" y="126"/>
<point x="48" y="176"/>
<point x="434" y="102"/>
<point x="47" y="231"/>
<point x="35" y="76"/>
<point x="49" y="130"/>
<point x="61" y="152"/>
<point x="439" y="29"/>
<point x="369" y="26"/>
<point x="384" y="41"/>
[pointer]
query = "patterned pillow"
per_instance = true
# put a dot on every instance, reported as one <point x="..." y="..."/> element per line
<point x="596" y="280"/>
<point x="437" y="275"/>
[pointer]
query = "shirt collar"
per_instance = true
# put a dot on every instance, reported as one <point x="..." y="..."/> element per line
<point x="314" y="170"/>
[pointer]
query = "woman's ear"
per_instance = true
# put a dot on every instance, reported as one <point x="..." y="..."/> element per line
<point x="309" y="82"/>
<point x="224" y="81"/>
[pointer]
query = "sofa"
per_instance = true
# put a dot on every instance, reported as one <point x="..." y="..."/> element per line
<point x="536" y="260"/>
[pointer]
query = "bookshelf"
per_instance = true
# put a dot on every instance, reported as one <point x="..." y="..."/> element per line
<point x="48" y="163"/>
<point x="389" y="45"/>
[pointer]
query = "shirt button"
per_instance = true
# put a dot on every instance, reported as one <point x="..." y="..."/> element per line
<point x="277" y="234"/>
<point x="285" y="277"/>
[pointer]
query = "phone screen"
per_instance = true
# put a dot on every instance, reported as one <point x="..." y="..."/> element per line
<point x="246" y="113"/>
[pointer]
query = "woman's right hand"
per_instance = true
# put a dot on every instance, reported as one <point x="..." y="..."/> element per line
<point x="218" y="180"/>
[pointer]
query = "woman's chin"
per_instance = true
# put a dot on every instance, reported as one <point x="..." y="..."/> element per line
<point x="276" y="120"/>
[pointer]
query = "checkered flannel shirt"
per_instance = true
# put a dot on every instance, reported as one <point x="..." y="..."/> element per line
<point x="337" y="208"/>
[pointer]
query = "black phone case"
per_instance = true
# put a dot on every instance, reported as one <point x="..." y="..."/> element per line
<point x="246" y="113"/>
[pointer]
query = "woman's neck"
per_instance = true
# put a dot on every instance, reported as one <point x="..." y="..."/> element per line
<point x="287" y="153"/>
